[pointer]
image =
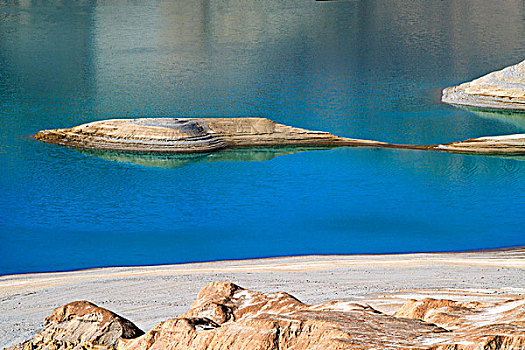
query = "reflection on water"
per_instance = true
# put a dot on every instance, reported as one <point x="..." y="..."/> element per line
<point x="368" y="69"/>
<point x="173" y="161"/>
<point x="519" y="158"/>
<point x="514" y="118"/>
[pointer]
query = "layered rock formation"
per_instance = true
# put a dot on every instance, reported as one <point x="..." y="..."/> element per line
<point x="226" y="316"/>
<point x="503" y="89"/>
<point x="206" y="135"/>
<point x="190" y="135"/>
<point x="507" y="144"/>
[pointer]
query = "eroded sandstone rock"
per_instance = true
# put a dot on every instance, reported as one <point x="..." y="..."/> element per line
<point x="473" y="325"/>
<point x="81" y="325"/>
<point x="227" y="317"/>
<point x="503" y="89"/>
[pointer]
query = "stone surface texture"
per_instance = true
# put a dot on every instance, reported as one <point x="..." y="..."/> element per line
<point x="503" y="89"/>
<point x="226" y="316"/>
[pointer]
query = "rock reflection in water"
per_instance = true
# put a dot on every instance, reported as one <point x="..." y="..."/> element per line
<point x="174" y="161"/>
<point x="509" y="117"/>
<point x="520" y="158"/>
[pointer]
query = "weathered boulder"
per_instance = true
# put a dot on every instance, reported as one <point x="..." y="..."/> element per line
<point x="227" y="317"/>
<point x="503" y="89"/>
<point x="81" y="325"/>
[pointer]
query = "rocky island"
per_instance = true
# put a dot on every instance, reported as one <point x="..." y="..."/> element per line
<point x="226" y="316"/>
<point x="503" y="89"/>
<point x="206" y="135"/>
<point x="190" y="135"/>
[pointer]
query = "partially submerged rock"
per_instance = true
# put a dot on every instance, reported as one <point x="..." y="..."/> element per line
<point x="190" y="135"/>
<point x="503" y="89"/>
<point x="81" y="325"/>
<point x="507" y="144"/>
<point x="207" y="135"/>
<point x="226" y="316"/>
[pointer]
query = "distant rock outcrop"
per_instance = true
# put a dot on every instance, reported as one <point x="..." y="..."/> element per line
<point x="503" y="89"/>
<point x="228" y="317"/>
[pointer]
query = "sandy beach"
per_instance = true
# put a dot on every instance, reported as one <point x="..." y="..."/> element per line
<point x="147" y="295"/>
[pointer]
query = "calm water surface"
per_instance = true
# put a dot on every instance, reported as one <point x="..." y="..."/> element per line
<point x="364" y="69"/>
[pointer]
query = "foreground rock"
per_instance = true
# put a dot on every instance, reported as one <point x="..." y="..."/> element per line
<point x="206" y="135"/>
<point x="82" y="325"/>
<point x="226" y="316"/>
<point x="504" y="89"/>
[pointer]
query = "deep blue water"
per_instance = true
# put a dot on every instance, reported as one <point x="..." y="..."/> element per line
<point x="365" y="69"/>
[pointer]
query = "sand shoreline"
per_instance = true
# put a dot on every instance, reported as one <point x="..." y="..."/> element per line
<point x="149" y="294"/>
<point x="517" y="249"/>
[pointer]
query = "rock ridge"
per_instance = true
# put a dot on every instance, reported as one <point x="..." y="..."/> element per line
<point x="226" y="316"/>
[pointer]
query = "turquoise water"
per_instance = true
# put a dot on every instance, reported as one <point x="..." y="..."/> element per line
<point x="365" y="69"/>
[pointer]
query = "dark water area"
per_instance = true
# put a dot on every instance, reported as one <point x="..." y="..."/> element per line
<point x="363" y="69"/>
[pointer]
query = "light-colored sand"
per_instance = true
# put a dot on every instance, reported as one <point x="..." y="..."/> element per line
<point x="147" y="295"/>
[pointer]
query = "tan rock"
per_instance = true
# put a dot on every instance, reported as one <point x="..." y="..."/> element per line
<point x="190" y="135"/>
<point x="503" y="89"/>
<point x="507" y="144"/>
<point x="473" y="325"/>
<point x="227" y="317"/>
<point x="194" y="135"/>
<point x="81" y="325"/>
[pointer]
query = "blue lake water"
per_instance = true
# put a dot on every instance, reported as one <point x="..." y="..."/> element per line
<point x="364" y="69"/>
